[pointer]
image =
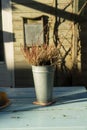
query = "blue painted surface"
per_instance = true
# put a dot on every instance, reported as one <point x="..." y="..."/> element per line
<point x="68" y="113"/>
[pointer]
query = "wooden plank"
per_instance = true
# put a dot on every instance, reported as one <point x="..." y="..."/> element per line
<point x="25" y="8"/>
<point x="29" y="14"/>
<point x="31" y="2"/>
<point x="39" y="1"/>
<point x="69" y="112"/>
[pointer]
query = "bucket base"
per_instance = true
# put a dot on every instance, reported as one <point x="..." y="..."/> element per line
<point x="43" y="104"/>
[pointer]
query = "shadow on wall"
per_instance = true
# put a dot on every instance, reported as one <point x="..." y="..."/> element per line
<point x="66" y="75"/>
<point x="83" y="43"/>
<point x="51" y="10"/>
<point x="24" y="77"/>
<point x="77" y="76"/>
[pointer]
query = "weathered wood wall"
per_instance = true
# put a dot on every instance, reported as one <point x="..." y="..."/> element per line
<point x="62" y="32"/>
<point x="80" y="73"/>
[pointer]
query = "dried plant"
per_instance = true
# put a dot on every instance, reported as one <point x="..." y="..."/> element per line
<point x="40" y="55"/>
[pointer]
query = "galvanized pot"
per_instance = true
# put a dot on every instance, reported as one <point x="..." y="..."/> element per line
<point x="43" y="81"/>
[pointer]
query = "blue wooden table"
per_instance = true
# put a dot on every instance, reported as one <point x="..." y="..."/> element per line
<point x="68" y="113"/>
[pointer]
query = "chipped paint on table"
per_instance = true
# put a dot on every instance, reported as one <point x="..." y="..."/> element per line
<point x="68" y="113"/>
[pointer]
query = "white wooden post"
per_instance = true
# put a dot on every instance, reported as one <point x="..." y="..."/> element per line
<point x="7" y="37"/>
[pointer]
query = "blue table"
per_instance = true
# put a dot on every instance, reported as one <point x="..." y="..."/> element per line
<point x="68" y="113"/>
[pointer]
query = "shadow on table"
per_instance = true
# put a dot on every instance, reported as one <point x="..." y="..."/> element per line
<point x="72" y="98"/>
<point x="61" y="100"/>
<point x="67" y="98"/>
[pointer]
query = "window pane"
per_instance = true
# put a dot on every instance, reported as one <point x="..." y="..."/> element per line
<point x="33" y="33"/>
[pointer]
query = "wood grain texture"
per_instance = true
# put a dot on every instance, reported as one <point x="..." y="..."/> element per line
<point x="69" y="111"/>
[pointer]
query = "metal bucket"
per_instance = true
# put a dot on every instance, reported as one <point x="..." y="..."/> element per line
<point x="43" y="81"/>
